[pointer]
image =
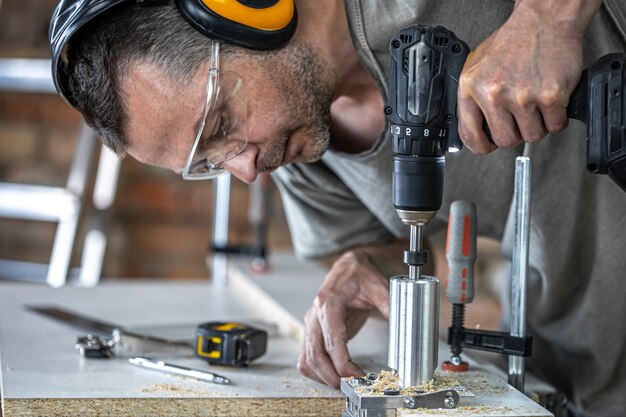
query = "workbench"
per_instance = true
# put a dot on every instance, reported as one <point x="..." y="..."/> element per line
<point x="42" y="374"/>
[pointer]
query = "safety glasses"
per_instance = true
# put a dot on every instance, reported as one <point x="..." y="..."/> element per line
<point x="221" y="135"/>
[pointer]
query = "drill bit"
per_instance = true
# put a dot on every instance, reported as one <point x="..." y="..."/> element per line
<point x="415" y="245"/>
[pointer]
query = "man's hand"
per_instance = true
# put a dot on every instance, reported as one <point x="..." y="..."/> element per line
<point x="521" y="77"/>
<point x="351" y="289"/>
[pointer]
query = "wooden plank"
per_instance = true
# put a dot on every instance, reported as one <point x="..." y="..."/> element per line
<point x="41" y="370"/>
<point x="41" y="374"/>
<point x="167" y="407"/>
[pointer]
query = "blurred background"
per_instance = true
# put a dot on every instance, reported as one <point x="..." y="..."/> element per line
<point x="158" y="226"/>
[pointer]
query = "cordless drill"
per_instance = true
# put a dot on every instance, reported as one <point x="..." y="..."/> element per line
<point x="426" y="63"/>
<point x="425" y="68"/>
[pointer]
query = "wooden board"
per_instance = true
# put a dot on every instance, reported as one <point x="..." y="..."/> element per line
<point x="42" y="374"/>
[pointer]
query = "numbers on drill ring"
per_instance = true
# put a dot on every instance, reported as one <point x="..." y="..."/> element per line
<point x="424" y="132"/>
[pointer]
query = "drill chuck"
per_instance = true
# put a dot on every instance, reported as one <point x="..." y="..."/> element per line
<point x="418" y="182"/>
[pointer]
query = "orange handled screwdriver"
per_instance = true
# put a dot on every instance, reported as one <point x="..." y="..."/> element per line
<point x="461" y="255"/>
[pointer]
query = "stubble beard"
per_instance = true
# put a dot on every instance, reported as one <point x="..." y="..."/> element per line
<point x="304" y="83"/>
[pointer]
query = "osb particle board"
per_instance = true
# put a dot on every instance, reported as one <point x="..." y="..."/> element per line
<point x="157" y="407"/>
<point x="42" y="374"/>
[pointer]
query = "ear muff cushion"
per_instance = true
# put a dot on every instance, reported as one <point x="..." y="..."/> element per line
<point x="240" y="24"/>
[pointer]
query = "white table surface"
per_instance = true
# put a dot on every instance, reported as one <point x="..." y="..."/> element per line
<point x="41" y="373"/>
<point x="35" y="348"/>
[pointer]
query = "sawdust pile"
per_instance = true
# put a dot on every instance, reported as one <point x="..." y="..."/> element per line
<point x="177" y="389"/>
<point x="388" y="380"/>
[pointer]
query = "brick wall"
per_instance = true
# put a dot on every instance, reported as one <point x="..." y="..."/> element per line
<point x="160" y="226"/>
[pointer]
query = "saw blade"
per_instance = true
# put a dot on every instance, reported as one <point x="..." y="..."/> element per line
<point x="130" y="342"/>
<point x="76" y="320"/>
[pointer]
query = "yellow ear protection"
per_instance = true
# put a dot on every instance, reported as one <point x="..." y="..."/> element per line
<point x="256" y="24"/>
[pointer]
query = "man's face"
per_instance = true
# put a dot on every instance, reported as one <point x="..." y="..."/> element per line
<point x="288" y="110"/>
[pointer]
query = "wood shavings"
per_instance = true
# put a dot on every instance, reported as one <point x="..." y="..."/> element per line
<point x="177" y="389"/>
<point x="388" y="380"/>
<point x="385" y="380"/>
<point x="439" y="383"/>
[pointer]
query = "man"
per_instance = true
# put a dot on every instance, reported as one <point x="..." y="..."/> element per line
<point x="314" y="109"/>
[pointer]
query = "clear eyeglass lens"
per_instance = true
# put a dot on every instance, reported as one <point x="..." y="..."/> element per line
<point x="223" y="136"/>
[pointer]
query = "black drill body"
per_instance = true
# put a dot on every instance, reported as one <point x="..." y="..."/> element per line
<point x="421" y="109"/>
<point x="426" y="63"/>
<point x="599" y="101"/>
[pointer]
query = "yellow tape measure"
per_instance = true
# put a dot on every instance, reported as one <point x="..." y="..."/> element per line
<point x="229" y="343"/>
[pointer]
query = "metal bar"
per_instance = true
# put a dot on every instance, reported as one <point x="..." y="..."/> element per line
<point x="77" y="179"/>
<point x="92" y="258"/>
<point x="36" y="202"/>
<point x="94" y="246"/>
<point x="519" y="264"/>
<point x="258" y="214"/>
<point x="62" y="251"/>
<point x="26" y="75"/>
<point x="417" y="320"/>
<point x="415" y="245"/>
<point x="106" y="179"/>
<point x="394" y="314"/>
<point x="66" y="230"/>
<point x="220" y="230"/>
<point x="23" y="271"/>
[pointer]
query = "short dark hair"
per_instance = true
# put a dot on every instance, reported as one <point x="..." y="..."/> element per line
<point x="102" y="53"/>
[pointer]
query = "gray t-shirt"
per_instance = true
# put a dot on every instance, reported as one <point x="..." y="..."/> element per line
<point x="576" y="295"/>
